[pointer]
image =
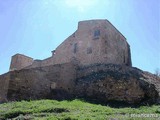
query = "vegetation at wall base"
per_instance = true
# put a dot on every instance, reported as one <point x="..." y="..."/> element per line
<point x="74" y="110"/>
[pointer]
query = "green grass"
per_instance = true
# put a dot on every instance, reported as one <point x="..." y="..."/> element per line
<point x="72" y="110"/>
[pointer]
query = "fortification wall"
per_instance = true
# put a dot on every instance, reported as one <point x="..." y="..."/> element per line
<point x="47" y="62"/>
<point x="101" y="82"/>
<point x="98" y="68"/>
<point x="36" y="63"/>
<point x="42" y="82"/>
<point x="28" y="84"/>
<point x="41" y="63"/>
<point x="4" y="82"/>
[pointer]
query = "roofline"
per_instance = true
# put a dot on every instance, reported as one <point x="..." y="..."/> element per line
<point x="103" y="20"/>
<point x="115" y="28"/>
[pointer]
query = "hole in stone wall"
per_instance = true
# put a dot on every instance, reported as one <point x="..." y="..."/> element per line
<point x="89" y="50"/>
<point x="75" y="48"/>
<point x="105" y="46"/>
<point x="124" y="59"/>
<point x="96" y="34"/>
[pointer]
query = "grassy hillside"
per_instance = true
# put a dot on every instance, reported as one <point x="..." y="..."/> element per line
<point x="73" y="110"/>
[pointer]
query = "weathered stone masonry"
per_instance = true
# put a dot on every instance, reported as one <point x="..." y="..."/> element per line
<point x="100" y="82"/>
<point x="93" y="63"/>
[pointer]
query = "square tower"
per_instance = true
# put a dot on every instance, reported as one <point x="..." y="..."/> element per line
<point x="20" y="61"/>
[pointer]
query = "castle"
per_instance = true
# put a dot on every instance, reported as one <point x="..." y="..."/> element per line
<point x="93" y="63"/>
<point x="95" y="41"/>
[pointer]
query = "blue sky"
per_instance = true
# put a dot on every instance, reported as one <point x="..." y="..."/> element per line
<point x="36" y="27"/>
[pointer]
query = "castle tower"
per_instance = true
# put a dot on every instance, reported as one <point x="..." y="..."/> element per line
<point x="20" y="61"/>
<point x="95" y="41"/>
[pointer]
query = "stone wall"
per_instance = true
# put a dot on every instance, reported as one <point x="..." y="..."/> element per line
<point x="41" y="63"/>
<point x="28" y="84"/>
<point x="36" y="63"/>
<point x="37" y="83"/>
<point x="97" y="82"/>
<point x="47" y="62"/>
<point x="4" y="82"/>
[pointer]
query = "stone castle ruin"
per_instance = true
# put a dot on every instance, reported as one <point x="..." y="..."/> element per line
<point x="95" y="41"/>
<point x="94" y="63"/>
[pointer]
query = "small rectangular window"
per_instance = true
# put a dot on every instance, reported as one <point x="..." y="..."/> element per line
<point x="75" y="48"/>
<point x="124" y="59"/>
<point x="96" y="34"/>
<point x="106" y="47"/>
<point x="89" y="50"/>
